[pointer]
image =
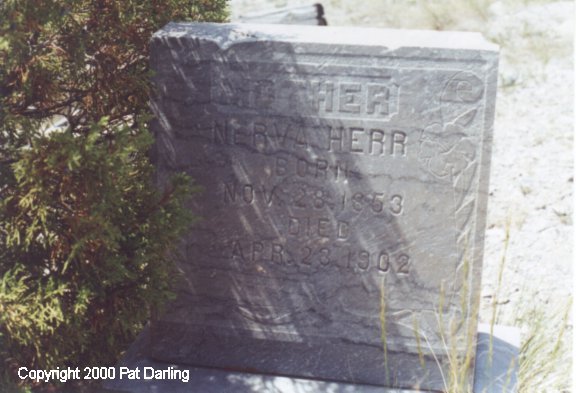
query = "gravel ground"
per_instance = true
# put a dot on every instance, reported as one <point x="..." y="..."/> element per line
<point x="532" y="171"/>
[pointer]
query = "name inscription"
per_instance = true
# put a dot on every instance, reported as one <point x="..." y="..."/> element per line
<point x="264" y="135"/>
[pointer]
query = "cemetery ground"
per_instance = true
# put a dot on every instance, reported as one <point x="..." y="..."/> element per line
<point x="527" y="278"/>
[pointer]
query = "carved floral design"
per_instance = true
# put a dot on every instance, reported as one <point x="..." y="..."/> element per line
<point x="446" y="151"/>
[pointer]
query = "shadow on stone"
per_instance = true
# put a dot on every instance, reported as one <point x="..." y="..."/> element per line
<point x="345" y="177"/>
<point x="498" y="377"/>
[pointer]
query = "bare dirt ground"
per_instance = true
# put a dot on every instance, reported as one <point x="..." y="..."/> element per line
<point x="532" y="174"/>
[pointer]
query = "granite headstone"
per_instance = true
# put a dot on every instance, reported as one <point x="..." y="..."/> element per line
<point x="345" y="176"/>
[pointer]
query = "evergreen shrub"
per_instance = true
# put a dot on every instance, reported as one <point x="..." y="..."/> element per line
<point x="85" y="234"/>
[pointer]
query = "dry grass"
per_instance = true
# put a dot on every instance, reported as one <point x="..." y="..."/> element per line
<point x="545" y="362"/>
<point x="383" y="328"/>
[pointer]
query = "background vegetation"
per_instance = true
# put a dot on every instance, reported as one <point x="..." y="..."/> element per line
<point x="84" y="233"/>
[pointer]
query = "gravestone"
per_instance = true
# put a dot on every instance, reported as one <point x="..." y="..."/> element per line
<point x="345" y="177"/>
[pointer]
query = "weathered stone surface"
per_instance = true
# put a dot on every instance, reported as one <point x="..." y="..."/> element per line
<point x="345" y="174"/>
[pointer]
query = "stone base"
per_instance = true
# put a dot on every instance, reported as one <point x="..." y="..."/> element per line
<point x="498" y="376"/>
<point x="501" y="374"/>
